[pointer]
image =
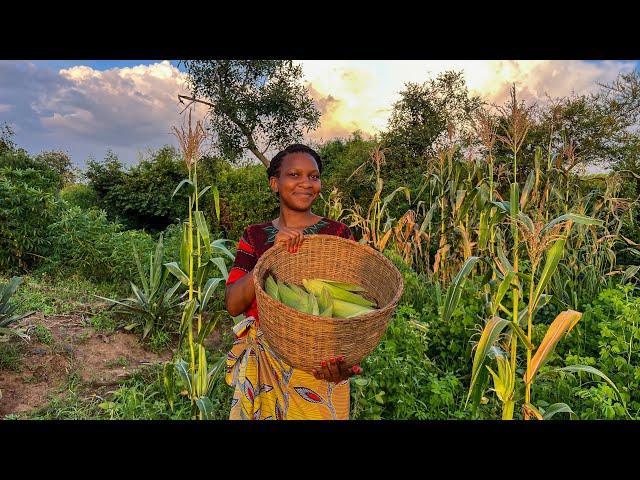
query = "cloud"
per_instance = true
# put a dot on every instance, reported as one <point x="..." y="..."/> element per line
<point x="363" y="92"/>
<point x="87" y="110"/>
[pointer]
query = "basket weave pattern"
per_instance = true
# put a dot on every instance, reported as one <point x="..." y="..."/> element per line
<point x="303" y="340"/>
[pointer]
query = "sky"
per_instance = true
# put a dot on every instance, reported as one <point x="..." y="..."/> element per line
<point x="87" y="107"/>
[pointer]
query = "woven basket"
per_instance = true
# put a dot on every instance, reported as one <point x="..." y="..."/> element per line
<point x="303" y="340"/>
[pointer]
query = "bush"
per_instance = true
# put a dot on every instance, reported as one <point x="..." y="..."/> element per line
<point x="245" y="198"/>
<point x="79" y="195"/>
<point x="27" y="207"/>
<point x="607" y="337"/>
<point x="401" y="381"/>
<point x="84" y="241"/>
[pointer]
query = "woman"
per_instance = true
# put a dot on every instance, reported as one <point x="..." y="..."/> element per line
<point x="265" y="386"/>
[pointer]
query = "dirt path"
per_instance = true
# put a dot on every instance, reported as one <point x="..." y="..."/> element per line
<point x="95" y="359"/>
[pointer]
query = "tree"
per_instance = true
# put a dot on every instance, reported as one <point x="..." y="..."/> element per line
<point x="254" y="104"/>
<point x="6" y="138"/>
<point x="425" y="112"/>
<point x="61" y="163"/>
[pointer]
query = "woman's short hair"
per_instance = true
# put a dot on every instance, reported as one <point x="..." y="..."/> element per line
<point x="276" y="161"/>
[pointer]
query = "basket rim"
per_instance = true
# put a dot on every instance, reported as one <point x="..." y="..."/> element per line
<point x="274" y="250"/>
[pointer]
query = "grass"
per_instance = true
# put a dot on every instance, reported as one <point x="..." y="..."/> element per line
<point x="11" y="356"/>
<point x="119" y="362"/>
<point x="104" y="322"/>
<point x="42" y="334"/>
<point x="159" y="341"/>
<point x="51" y="296"/>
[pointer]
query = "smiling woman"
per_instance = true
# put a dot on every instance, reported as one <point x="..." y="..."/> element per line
<point x="265" y="386"/>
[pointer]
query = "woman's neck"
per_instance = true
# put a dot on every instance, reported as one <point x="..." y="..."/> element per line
<point x="294" y="219"/>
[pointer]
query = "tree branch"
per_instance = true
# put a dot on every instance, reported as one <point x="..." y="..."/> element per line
<point x="180" y="97"/>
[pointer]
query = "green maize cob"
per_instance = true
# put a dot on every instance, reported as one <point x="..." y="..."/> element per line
<point x="343" y="309"/>
<point x="350" y="287"/>
<point x="271" y="287"/>
<point x="288" y="296"/>
<point x="337" y="293"/>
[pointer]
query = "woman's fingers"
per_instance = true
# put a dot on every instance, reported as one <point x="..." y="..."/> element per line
<point x="334" y="369"/>
<point x="318" y="374"/>
<point x="326" y="373"/>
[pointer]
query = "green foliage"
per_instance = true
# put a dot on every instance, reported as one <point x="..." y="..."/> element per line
<point x="42" y="334"/>
<point x="607" y="337"/>
<point x="423" y="113"/>
<point x="254" y="100"/>
<point x="27" y="206"/>
<point x="140" y="197"/>
<point x="8" y="314"/>
<point x="86" y="242"/>
<point x="51" y="296"/>
<point x="245" y="198"/>
<point x="79" y="195"/>
<point x="401" y="381"/>
<point x="11" y="356"/>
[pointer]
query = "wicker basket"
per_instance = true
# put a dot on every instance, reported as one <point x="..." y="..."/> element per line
<point x="303" y="340"/>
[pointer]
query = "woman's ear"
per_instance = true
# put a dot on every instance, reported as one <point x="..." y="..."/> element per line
<point x="273" y="183"/>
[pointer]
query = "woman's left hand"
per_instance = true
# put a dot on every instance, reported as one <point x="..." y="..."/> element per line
<point x="335" y="371"/>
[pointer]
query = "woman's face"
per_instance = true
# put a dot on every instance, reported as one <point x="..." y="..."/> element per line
<point x="299" y="181"/>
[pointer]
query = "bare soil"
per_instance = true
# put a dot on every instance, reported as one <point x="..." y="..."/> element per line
<point x="95" y="359"/>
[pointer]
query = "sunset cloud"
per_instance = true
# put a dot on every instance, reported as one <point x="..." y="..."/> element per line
<point x="363" y="92"/>
<point x="86" y="111"/>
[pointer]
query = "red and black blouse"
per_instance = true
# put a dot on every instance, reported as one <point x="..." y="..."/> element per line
<point x="258" y="238"/>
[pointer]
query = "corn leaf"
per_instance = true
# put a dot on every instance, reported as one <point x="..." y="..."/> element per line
<point x="182" y="368"/>
<point x="216" y="201"/>
<point x="595" y="371"/>
<point x="503" y="288"/>
<point x="490" y="334"/>
<point x="483" y="233"/>
<point x="575" y="218"/>
<point x="215" y="373"/>
<point x="503" y="262"/>
<point x="219" y="245"/>
<point x="524" y="197"/>
<point x="554" y="255"/>
<point x="558" y="408"/>
<point x="203" y="229"/>
<point x="185" y="252"/>
<point x="186" y="181"/>
<point x="209" y="288"/>
<point x="454" y="292"/>
<point x="219" y="262"/>
<point x="562" y="325"/>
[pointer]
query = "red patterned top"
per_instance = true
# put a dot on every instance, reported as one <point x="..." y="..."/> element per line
<point x="258" y="238"/>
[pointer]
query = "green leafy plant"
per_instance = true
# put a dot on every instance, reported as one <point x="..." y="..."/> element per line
<point x="151" y="305"/>
<point x="8" y="309"/>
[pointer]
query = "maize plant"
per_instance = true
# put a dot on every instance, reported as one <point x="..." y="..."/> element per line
<point x="539" y="239"/>
<point x="374" y="232"/>
<point x="197" y="264"/>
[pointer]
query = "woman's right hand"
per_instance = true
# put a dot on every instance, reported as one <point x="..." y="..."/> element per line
<point x="292" y="238"/>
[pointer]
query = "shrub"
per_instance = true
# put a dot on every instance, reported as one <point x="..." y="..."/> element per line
<point x="86" y="242"/>
<point x="79" y="195"/>
<point x="27" y="207"/>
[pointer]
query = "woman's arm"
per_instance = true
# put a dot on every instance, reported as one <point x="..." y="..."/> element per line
<point x="240" y="294"/>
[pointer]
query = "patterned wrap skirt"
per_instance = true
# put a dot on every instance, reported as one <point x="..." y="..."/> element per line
<point x="266" y="388"/>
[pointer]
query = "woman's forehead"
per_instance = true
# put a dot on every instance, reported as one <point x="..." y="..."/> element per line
<point x="299" y="160"/>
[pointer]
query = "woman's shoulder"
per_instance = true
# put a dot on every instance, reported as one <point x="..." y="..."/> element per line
<point x="335" y="227"/>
